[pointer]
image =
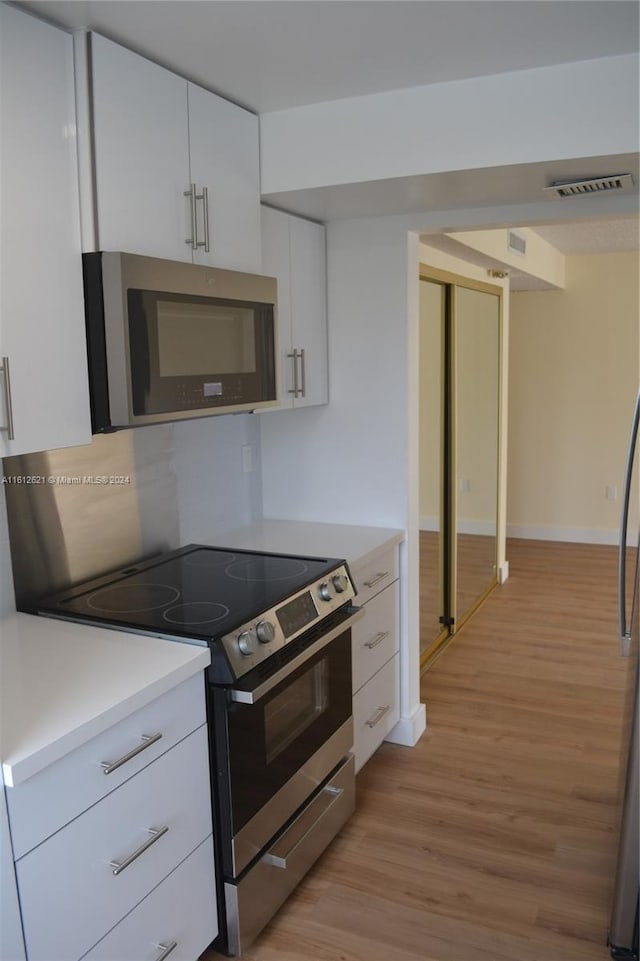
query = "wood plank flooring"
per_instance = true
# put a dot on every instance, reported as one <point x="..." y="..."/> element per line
<point x="494" y="839"/>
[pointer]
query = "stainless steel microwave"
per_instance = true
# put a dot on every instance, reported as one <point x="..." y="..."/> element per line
<point x="172" y="341"/>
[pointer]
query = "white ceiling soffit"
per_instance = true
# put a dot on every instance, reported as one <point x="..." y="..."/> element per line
<point x="457" y="190"/>
<point x="274" y="54"/>
<point x="602" y="236"/>
<point x="518" y="280"/>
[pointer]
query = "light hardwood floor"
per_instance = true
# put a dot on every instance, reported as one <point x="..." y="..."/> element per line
<point x="494" y="839"/>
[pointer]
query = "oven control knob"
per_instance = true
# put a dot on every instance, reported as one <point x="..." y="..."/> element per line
<point x="324" y="591"/>
<point x="265" y="631"/>
<point x="340" y="583"/>
<point x="247" y="643"/>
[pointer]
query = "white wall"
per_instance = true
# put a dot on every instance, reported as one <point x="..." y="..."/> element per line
<point x="571" y="110"/>
<point x="214" y="492"/>
<point x="574" y="378"/>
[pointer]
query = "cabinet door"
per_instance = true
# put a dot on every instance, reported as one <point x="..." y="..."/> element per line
<point x="224" y="158"/>
<point x="276" y="263"/>
<point x="11" y="943"/>
<point x="309" y="310"/>
<point x="41" y="301"/>
<point x="141" y="154"/>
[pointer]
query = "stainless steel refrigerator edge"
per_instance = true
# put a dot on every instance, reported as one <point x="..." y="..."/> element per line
<point x="623" y="931"/>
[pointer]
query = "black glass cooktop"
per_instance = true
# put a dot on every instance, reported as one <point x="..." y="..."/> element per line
<point x="195" y="592"/>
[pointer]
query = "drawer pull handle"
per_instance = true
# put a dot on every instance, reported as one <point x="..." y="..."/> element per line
<point x="156" y="834"/>
<point x="379" y="714"/>
<point x="376" y="580"/>
<point x="147" y="740"/>
<point x="300" y="830"/>
<point x="166" y="950"/>
<point x="378" y="639"/>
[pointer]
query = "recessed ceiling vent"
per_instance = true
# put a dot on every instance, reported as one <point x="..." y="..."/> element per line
<point x="597" y="185"/>
<point x="516" y="243"/>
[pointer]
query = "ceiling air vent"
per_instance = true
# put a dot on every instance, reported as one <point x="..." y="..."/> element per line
<point x="597" y="185"/>
<point x="516" y="243"/>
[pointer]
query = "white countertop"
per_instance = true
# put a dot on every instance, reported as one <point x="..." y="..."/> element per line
<point x="62" y="684"/>
<point x="354" y="544"/>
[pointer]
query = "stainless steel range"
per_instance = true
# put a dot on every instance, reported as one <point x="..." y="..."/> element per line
<point x="279" y="703"/>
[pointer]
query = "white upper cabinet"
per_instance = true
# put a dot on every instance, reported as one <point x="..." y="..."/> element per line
<point x="141" y="154"/>
<point x="225" y="159"/>
<point x="41" y="300"/>
<point x="293" y="251"/>
<point x="176" y="167"/>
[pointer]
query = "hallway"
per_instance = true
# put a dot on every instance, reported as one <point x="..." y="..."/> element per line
<point x="494" y="839"/>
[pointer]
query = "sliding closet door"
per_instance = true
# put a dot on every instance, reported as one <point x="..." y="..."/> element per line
<point x="476" y="373"/>
<point x="460" y="325"/>
<point x="431" y="420"/>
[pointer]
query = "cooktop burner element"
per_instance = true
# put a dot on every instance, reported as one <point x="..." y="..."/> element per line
<point x="245" y="605"/>
<point x="132" y="598"/>
<point x="267" y="569"/>
<point x="199" y="612"/>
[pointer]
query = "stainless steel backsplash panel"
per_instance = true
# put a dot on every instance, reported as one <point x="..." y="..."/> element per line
<point x="79" y="512"/>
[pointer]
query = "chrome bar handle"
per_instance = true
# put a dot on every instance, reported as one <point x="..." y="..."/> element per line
<point x="294" y="358"/>
<point x="327" y="797"/>
<point x="204" y="197"/>
<point x="109" y="767"/>
<point x="625" y="634"/>
<point x="380" y="576"/>
<point x="166" y="950"/>
<point x="379" y="714"/>
<point x="8" y="427"/>
<point x="156" y="834"/>
<point x="378" y="639"/>
<point x="303" y="374"/>
<point x="193" y="240"/>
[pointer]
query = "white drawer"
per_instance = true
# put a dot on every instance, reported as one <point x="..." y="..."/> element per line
<point x="375" y="711"/>
<point x="49" y="800"/>
<point x="69" y="894"/>
<point x="376" y="637"/>
<point x="181" y="911"/>
<point x="376" y="574"/>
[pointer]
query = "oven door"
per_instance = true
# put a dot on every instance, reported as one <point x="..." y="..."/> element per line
<point x="285" y="735"/>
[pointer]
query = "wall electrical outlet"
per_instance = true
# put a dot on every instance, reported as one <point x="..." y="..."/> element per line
<point x="465" y="485"/>
<point x="247" y="458"/>
<point x="611" y="492"/>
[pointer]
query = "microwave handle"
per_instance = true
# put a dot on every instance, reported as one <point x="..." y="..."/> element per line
<point x="258" y="692"/>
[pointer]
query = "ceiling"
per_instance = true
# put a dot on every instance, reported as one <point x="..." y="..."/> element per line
<point x="593" y="236"/>
<point x="274" y="54"/>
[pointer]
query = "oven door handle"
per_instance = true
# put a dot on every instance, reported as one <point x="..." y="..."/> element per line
<point x="253" y="696"/>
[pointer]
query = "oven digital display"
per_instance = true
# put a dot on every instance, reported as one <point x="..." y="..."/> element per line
<point x="296" y="615"/>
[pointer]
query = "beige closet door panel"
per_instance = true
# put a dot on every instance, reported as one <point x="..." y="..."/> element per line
<point x="476" y="353"/>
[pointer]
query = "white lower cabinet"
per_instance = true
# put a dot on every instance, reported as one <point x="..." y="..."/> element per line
<point x="375" y="642"/>
<point x="130" y="872"/>
<point x="375" y="711"/>
<point x="177" y="918"/>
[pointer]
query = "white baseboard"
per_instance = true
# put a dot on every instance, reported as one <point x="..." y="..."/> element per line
<point x="503" y="572"/>
<point x="409" y="730"/>
<point x="576" y="535"/>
